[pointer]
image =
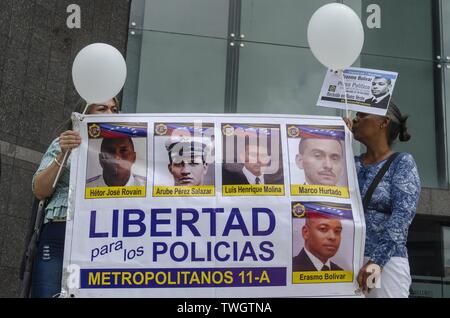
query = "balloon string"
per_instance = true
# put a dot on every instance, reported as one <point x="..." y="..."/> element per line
<point x="65" y="157"/>
<point x="346" y="102"/>
<point x="60" y="169"/>
<point x="86" y="108"/>
<point x="345" y="94"/>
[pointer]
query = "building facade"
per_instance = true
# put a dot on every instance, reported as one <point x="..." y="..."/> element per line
<point x="36" y="94"/>
<point x="233" y="56"/>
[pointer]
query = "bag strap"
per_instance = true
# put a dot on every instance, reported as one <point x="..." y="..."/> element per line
<point x="377" y="180"/>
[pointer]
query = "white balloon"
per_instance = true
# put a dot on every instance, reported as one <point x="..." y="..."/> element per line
<point x="99" y="72"/>
<point x="336" y="36"/>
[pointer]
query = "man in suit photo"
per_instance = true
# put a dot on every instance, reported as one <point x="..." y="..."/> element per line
<point x="322" y="236"/>
<point x="251" y="167"/>
<point x="381" y="89"/>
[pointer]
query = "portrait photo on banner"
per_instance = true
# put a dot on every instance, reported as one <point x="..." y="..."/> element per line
<point x="317" y="160"/>
<point x="184" y="159"/>
<point x="322" y="242"/>
<point x="252" y="160"/>
<point x="116" y="160"/>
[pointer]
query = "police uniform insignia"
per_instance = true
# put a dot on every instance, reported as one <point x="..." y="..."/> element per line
<point x="293" y="132"/>
<point x="298" y="210"/>
<point x="228" y="130"/>
<point x="94" y="131"/>
<point x="161" y="129"/>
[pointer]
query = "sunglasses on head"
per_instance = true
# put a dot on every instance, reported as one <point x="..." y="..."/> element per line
<point x="102" y="107"/>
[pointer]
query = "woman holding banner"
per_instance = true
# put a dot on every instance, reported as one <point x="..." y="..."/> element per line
<point x="390" y="187"/>
<point x="47" y="268"/>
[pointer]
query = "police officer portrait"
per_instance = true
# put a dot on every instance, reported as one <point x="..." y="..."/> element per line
<point x="183" y="160"/>
<point x="117" y="157"/>
<point x="317" y="160"/>
<point x="322" y="241"/>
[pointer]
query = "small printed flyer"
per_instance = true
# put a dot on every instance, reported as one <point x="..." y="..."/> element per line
<point x="368" y="91"/>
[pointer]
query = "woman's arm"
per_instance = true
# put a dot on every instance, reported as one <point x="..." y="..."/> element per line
<point x="47" y="172"/>
<point x="43" y="182"/>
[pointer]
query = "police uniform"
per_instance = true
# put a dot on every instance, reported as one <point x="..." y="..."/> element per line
<point x="98" y="181"/>
<point x="185" y="148"/>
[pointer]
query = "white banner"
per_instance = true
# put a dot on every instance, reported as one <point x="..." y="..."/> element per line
<point x="213" y="206"/>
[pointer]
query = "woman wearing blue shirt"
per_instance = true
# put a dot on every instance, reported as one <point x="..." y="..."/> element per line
<point x="47" y="268"/>
<point x="393" y="204"/>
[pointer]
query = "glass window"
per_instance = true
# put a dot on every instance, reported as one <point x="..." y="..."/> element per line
<point x="404" y="44"/>
<point x="180" y="60"/>
<point x="176" y="56"/>
<point x="279" y="79"/>
<point x="277" y="72"/>
<point x="444" y="61"/>
<point x="406" y="29"/>
<point x="426" y="287"/>
<point x="445" y="16"/>
<point x="198" y="17"/>
<point x="424" y="247"/>
<point x="425" y="258"/>
<point x="181" y="74"/>
<point x="446" y="239"/>
<point x="414" y="94"/>
<point x="280" y="21"/>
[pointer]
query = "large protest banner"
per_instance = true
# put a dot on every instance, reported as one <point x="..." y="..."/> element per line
<point x="213" y="206"/>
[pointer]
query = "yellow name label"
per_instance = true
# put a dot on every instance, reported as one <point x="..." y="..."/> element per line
<point x="115" y="192"/>
<point x="184" y="191"/>
<point x="322" y="277"/>
<point x="253" y="189"/>
<point x="319" y="190"/>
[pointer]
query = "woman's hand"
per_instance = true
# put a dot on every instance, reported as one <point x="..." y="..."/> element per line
<point x="43" y="182"/>
<point x="348" y="122"/>
<point x="69" y="140"/>
<point x="370" y="271"/>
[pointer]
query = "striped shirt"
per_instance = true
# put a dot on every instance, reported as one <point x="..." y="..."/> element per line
<point x="56" y="207"/>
